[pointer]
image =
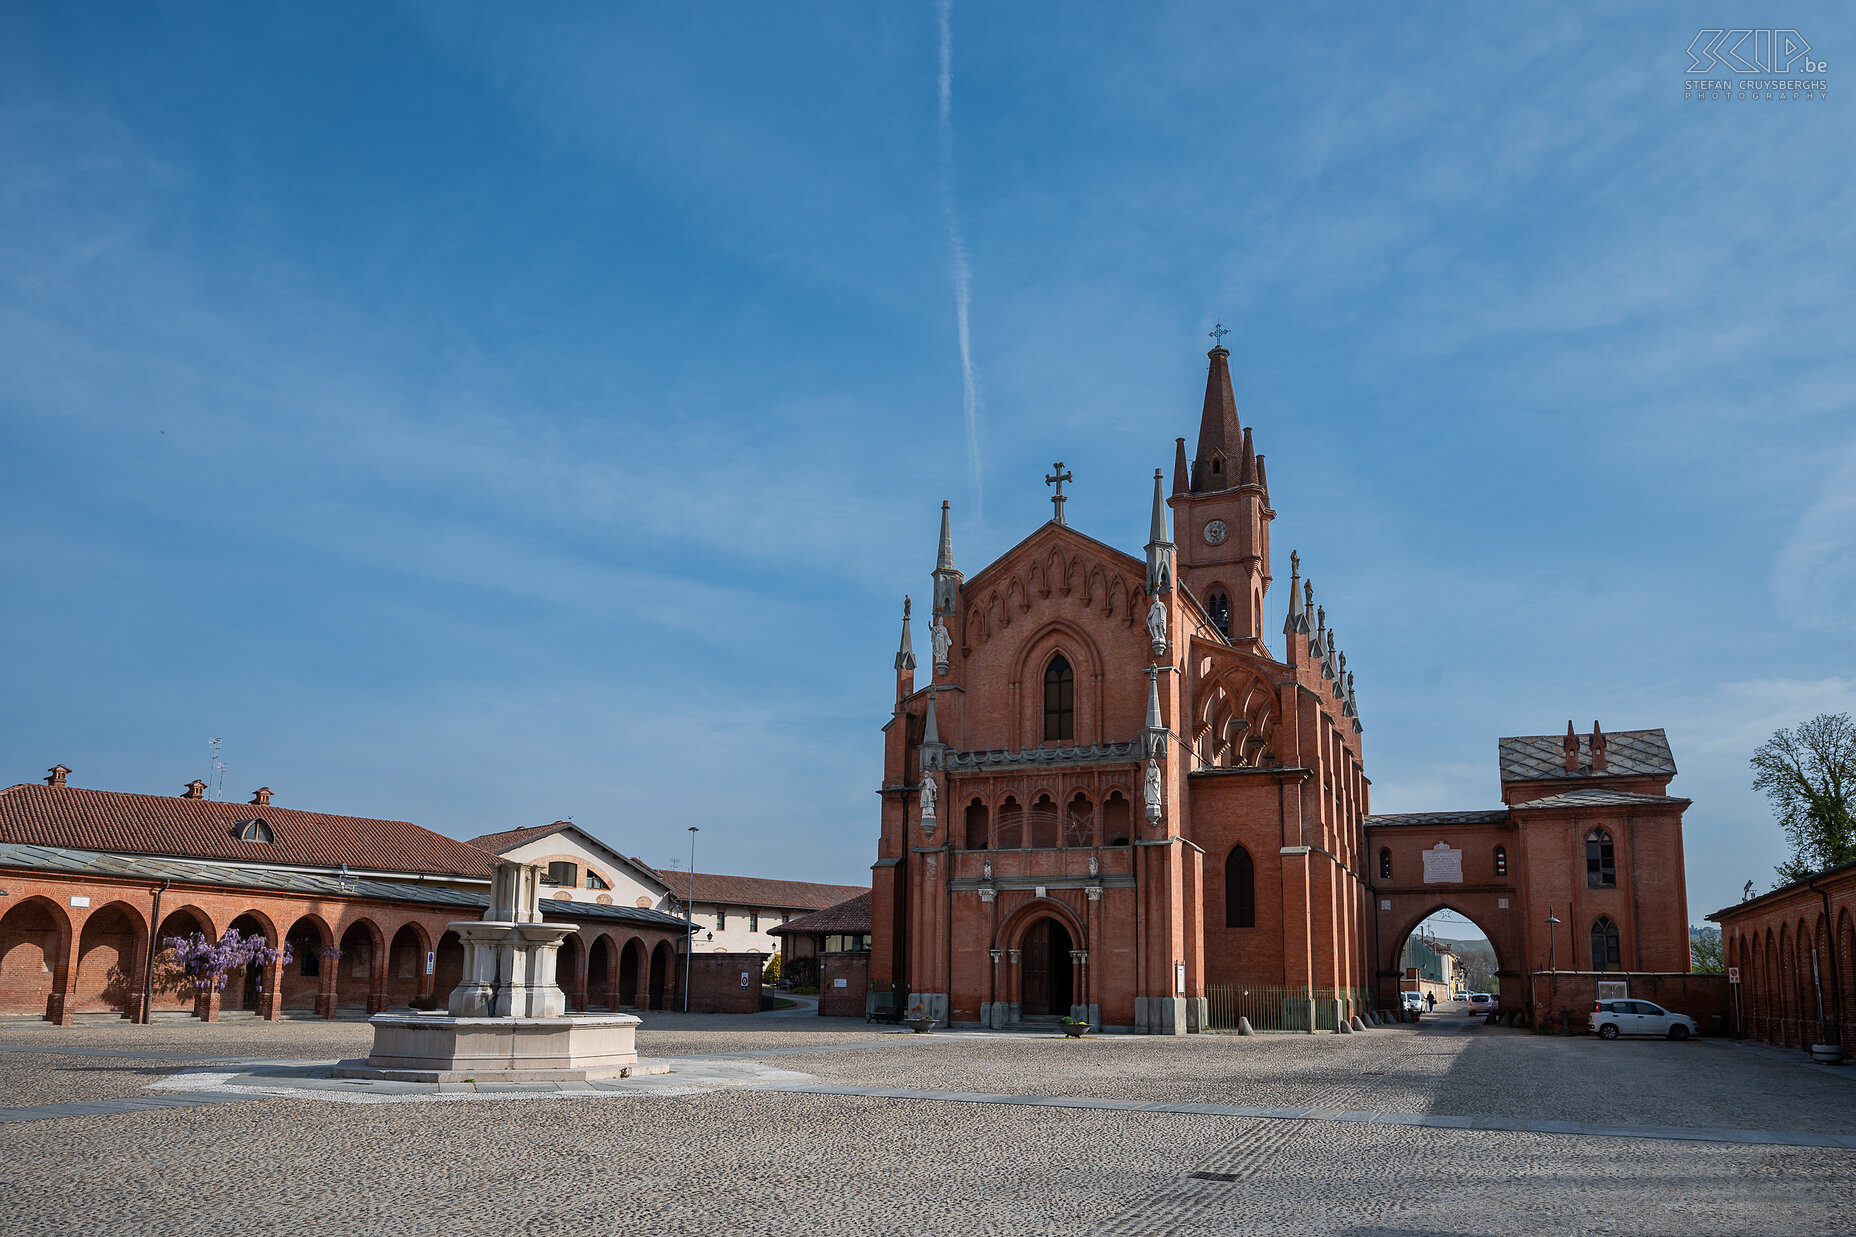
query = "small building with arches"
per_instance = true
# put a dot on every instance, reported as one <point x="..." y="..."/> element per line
<point x="93" y="883"/>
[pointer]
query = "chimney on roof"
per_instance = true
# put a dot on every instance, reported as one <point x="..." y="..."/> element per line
<point x="261" y="797"/>
<point x="1598" y="748"/>
<point x="58" y="774"/>
<point x="196" y="789"/>
<point x="1570" y="746"/>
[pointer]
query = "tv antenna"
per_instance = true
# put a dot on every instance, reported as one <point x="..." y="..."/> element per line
<point x="218" y="776"/>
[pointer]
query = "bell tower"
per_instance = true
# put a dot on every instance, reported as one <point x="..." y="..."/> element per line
<point x="1221" y="512"/>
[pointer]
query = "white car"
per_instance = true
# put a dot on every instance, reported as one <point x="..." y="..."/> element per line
<point x="1611" y="1019"/>
<point x="1480" y="1002"/>
<point x="1412" y="1001"/>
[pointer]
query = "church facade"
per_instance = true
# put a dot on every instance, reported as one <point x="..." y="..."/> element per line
<point x="1114" y="792"/>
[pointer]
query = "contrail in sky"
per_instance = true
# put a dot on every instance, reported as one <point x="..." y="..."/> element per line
<point x="957" y="252"/>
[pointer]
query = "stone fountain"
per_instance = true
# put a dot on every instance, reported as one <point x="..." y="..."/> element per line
<point x="507" y="1021"/>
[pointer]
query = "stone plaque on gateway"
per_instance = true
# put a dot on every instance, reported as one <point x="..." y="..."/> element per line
<point x="1443" y="866"/>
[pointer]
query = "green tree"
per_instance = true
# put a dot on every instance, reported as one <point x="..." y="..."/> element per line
<point x="1704" y="951"/>
<point x="772" y="973"/>
<point x="1809" y="774"/>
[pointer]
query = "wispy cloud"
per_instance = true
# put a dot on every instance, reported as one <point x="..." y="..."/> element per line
<point x="960" y="269"/>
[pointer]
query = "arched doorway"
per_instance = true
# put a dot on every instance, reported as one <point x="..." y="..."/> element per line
<point x="32" y="947"/>
<point x="631" y="965"/>
<point x="354" y="975"/>
<point x="244" y="985"/>
<point x="174" y="990"/>
<point x="405" y="966"/>
<point x="447" y="967"/>
<point x="108" y="951"/>
<point x="1045" y="975"/>
<point x="310" y="940"/>
<point x="570" y="971"/>
<point x="660" y="974"/>
<point x="598" y="968"/>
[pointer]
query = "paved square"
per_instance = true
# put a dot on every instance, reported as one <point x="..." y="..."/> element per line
<point x="808" y="1125"/>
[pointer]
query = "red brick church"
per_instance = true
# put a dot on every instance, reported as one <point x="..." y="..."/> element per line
<point x="1114" y="792"/>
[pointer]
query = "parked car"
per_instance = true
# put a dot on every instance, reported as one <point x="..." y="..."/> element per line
<point x="1480" y="1002"/>
<point x="1413" y="1002"/>
<point x="1611" y="1019"/>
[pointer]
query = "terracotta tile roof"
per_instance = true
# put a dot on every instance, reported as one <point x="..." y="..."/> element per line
<point x="103" y="820"/>
<point x="755" y="890"/>
<point x="15" y="855"/>
<point x="1628" y="753"/>
<point x="509" y="839"/>
<point x="851" y="915"/>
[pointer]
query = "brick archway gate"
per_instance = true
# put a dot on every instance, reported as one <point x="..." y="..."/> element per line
<point x="1409" y="910"/>
<point x="1467" y="862"/>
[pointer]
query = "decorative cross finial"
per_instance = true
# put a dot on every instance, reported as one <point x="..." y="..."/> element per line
<point x="1218" y="333"/>
<point x="1057" y="480"/>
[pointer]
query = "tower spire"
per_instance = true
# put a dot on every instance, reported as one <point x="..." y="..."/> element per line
<point x="1220" y="434"/>
<point x="945" y="559"/>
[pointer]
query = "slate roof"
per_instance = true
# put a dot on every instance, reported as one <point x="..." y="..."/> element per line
<point x="1628" y="753"/>
<point x="1596" y="797"/>
<point x="756" y="891"/>
<point x="104" y="820"/>
<point x="1494" y="816"/>
<point x="849" y="916"/>
<point x="20" y="855"/>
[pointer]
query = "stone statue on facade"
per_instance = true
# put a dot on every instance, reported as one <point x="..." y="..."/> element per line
<point x="930" y="793"/>
<point x="1151" y="790"/>
<point x="1156" y="625"/>
<point x="942" y="641"/>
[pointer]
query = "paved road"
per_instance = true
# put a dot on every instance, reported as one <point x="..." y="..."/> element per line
<point x="895" y="1133"/>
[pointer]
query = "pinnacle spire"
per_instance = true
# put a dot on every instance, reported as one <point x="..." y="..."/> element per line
<point x="930" y="732"/>
<point x="1263" y="479"/>
<point x="1181" y="475"/>
<point x="1154" y="724"/>
<point x="1247" y="462"/>
<point x="905" y="655"/>
<point x="1220" y="434"/>
<point x="945" y="560"/>
<point x="1296" y="622"/>
<point x="1156" y="532"/>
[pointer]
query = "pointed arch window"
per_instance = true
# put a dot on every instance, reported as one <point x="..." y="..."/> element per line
<point x="1385" y="864"/>
<point x="1601" y="866"/>
<point x="1501" y="861"/>
<point x="1059" y="700"/>
<point x="1240" y="890"/>
<point x="1218" y="606"/>
<point x="1605" y="953"/>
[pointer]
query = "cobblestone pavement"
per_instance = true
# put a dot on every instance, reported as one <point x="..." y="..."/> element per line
<point x="756" y="1161"/>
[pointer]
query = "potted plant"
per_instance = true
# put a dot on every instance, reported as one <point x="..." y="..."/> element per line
<point x="919" y="1020"/>
<point x="1073" y="1027"/>
<point x="1827" y="1049"/>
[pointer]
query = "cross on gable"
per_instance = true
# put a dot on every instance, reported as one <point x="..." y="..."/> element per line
<point x="1057" y="479"/>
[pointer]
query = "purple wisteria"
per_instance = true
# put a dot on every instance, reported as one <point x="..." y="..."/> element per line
<point x="210" y="963"/>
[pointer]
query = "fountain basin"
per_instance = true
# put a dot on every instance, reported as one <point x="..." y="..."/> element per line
<point x="443" y="1048"/>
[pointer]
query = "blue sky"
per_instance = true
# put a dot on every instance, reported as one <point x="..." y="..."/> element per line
<point x="483" y="417"/>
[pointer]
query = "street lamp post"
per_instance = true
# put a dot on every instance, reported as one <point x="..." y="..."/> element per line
<point x="689" y="922"/>
<point x="1551" y="924"/>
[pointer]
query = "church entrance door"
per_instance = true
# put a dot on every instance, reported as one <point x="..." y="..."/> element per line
<point x="1046" y="977"/>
